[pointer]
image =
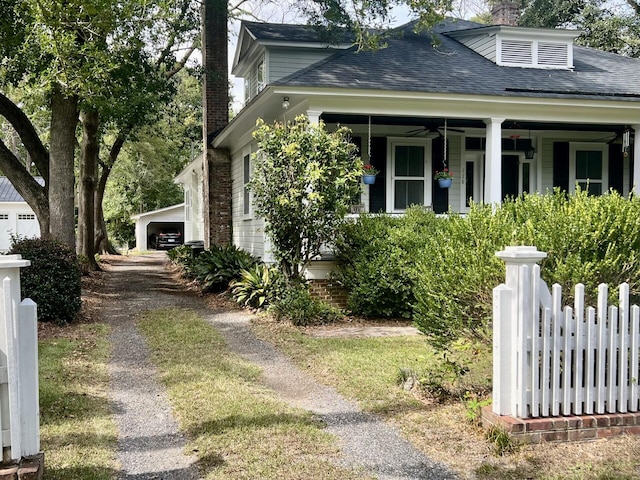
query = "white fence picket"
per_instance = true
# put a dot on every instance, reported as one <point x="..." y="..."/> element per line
<point x="550" y="360"/>
<point x="28" y="354"/>
<point x="578" y="386"/>
<point x="634" y="372"/>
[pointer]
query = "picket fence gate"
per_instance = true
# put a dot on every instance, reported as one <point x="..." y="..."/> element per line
<point x="552" y="360"/>
<point x="19" y="399"/>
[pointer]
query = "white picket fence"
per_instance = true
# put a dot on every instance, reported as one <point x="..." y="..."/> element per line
<point x="551" y="359"/>
<point x="19" y="399"/>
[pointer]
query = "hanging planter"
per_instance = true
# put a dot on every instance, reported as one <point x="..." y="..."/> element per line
<point x="444" y="182"/>
<point x="369" y="179"/>
<point x="369" y="173"/>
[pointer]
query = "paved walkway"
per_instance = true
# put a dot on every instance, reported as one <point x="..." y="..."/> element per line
<point x="149" y="446"/>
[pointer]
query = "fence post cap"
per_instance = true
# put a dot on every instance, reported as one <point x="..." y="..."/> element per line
<point x="13" y="261"/>
<point x="521" y="254"/>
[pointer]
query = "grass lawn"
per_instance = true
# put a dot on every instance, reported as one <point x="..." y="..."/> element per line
<point x="78" y="434"/>
<point x="238" y="429"/>
<point x="367" y="370"/>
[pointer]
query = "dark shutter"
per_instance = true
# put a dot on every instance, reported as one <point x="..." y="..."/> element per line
<point x="616" y="168"/>
<point x="377" y="192"/>
<point x="561" y="165"/>
<point x="440" y="195"/>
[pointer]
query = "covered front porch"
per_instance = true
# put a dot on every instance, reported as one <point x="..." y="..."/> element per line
<point x="491" y="159"/>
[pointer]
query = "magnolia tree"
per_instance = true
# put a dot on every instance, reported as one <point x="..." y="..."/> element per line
<point x="304" y="179"/>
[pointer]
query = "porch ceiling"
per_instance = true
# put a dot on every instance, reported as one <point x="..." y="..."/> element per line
<point x="458" y="123"/>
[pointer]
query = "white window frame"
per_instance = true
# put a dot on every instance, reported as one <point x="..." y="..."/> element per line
<point x="477" y="158"/>
<point x="247" y="197"/>
<point x="391" y="178"/>
<point x="187" y="204"/>
<point x="574" y="147"/>
<point x="261" y="71"/>
<point x="534" y="44"/>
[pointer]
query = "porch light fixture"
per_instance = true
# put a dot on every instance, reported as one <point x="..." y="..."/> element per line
<point x="530" y="151"/>
<point x="285" y="103"/>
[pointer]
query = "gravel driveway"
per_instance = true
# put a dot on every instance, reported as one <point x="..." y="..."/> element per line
<point x="150" y="446"/>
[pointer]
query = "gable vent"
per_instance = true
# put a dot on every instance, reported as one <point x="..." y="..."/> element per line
<point x="556" y="54"/>
<point x="517" y="52"/>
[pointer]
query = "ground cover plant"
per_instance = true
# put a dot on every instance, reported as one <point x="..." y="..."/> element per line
<point x="78" y="434"/>
<point x="236" y="427"/>
<point x="367" y="370"/>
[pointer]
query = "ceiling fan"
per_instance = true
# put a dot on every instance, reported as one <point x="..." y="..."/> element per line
<point x="432" y="131"/>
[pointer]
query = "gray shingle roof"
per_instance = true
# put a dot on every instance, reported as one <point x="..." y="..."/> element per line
<point x="276" y="32"/>
<point x="9" y="194"/>
<point x="411" y="63"/>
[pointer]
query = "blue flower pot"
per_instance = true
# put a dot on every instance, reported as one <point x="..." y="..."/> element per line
<point x="369" y="179"/>
<point x="444" y="182"/>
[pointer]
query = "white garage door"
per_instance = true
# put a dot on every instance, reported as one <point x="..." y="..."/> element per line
<point x="5" y="231"/>
<point x="28" y="225"/>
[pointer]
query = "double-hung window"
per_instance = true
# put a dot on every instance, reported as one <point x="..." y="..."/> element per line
<point x="409" y="169"/>
<point x="246" y="177"/>
<point x="590" y="167"/>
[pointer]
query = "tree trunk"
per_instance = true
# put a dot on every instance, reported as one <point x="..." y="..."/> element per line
<point x="102" y="244"/>
<point x="64" y="119"/>
<point x="88" y="167"/>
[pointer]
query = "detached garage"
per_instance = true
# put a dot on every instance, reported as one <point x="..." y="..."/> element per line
<point x="150" y="224"/>
<point x="16" y="217"/>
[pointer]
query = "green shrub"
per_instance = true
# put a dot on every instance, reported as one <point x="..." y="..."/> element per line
<point x="297" y="306"/>
<point x="442" y="271"/>
<point x="256" y="287"/>
<point x="216" y="267"/>
<point x="52" y="280"/>
<point x="375" y="260"/>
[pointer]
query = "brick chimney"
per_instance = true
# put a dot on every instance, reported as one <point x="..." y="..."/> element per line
<point x="215" y="92"/>
<point x="506" y="13"/>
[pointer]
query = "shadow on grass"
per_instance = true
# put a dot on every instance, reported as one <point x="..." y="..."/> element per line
<point x="57" y="407"/>
<point x="232" y="422"/>
<point x="79" y="473"/>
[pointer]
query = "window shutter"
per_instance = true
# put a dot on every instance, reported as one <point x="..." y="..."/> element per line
<point x="440" y="195"/>
<point x="616" y="168"/>
<point x="561" y="165"/>
<point x="517" y="52"/>
<point x="377" y="191"/>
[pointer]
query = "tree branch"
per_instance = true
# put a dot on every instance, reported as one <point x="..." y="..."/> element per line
<point x="28" y="135"/>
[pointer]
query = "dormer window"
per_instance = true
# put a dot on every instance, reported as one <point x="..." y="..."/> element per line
<point x="521" y="47"/>
<point x="533" y="53"/>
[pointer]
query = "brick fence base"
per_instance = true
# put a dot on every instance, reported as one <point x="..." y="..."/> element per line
<point x="564" y="429"/>
<point x="29" y="468"/>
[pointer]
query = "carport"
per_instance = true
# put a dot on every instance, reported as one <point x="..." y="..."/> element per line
<point x="149" y="224"/>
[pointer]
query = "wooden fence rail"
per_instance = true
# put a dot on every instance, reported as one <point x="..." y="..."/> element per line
<point x="551" y="359"/>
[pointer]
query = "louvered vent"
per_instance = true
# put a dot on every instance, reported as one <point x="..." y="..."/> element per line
<point x="517" y="52"/>
<point x="553" y="54"/>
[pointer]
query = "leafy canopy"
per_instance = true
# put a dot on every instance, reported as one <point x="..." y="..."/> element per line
<point x="304" y="179"/>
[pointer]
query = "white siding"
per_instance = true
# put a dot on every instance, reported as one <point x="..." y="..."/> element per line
<point x="285" y="61"/>
<point x="482" y="44"/>
<point x="248" y="231"/>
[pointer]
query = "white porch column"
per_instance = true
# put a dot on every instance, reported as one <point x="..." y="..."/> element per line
<point x="493" y="162"/>
<point x="314" y="116"/>
<point x="636" y="160"/>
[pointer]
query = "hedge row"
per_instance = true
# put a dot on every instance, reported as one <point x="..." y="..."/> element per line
<point x="441" y="271"/>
